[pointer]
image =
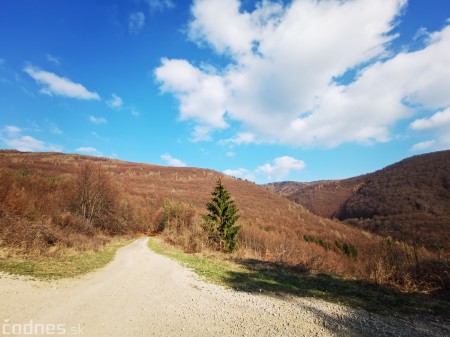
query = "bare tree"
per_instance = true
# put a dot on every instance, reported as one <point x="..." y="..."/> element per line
<point x="95" y="197"/>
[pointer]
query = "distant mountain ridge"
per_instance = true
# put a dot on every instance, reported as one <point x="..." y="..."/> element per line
<point x="409" y="200"/>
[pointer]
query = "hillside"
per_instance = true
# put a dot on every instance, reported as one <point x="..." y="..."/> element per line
<point x="147" y="188"/>
<point x="409" y="200"/>
<point x="43" y="211"/>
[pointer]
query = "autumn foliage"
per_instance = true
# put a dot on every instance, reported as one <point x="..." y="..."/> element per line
<point x="51" y="202"/>
<point x="409" y="200"/>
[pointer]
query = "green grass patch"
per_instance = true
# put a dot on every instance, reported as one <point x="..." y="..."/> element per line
<point x="70" y="265"/>
<point x="273" y="279"/>
<point x="212" y="270"/>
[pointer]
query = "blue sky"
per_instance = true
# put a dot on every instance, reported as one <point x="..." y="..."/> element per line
<point x="263" y="90"/>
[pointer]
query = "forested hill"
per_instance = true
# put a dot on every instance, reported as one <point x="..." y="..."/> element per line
<point x="53" y="203"/>
<point x="409" y="200"/>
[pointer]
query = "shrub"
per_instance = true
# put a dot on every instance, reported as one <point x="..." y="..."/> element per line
<point x="180" y="224"/>
<point x="347" y="249"/>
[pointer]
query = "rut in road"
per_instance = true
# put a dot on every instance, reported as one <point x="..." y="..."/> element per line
<point x="141" y="293"/>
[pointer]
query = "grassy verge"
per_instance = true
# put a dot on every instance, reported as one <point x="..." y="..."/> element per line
<point x="265" y="277"/>
<point x="212" y="270"/>
<point x="70" y="265"/>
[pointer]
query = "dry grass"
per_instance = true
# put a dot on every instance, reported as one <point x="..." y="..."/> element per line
<point x="68" y="264"/>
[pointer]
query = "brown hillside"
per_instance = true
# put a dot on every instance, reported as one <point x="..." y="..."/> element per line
<point x="148" y="186"/>
<point x="42" y="208"/>
<point x="324" y="198"/>
<point x="409" y="200"/>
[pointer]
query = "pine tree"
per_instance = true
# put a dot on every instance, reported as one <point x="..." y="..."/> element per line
<point x="219" y="222"/>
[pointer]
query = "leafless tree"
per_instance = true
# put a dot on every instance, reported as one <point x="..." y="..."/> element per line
<point x="95" y="197"/>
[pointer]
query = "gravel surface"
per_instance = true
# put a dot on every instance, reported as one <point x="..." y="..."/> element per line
<point x="144" y="294"/>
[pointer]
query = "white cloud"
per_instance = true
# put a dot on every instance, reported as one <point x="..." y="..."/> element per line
<point x="89" y="150"/>
<point x="98" y="120"/>
<point x="171" y="161"/>
<point x="61" y="86"/>
<point x="426" y="145"/>
<point x="26" y="143"/>
<point x="287" y="78"/>
<point x="201" y="133"/>
<point x="220" y="24"/>
<point x="53" y="59"/>
<point x="202" y="95"/>
<point x="438" y="125"/>
<point x="281" y="167"/>
<point x="241" y="173"/>
<point x="136" y="22"/>
<point x="12" y="130"/>
<point x="115" y="102"/>
<point x="440" y="120"/>
<point x="242" y="138"/>
<point x="12" y="137"/>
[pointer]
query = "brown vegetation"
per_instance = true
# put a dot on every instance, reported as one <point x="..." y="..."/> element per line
<point x="47" y="197"/>
<point x="409" y="201"/>
<point x="41" y="214"/>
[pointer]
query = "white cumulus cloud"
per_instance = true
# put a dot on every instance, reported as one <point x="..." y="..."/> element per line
<point x="278" y="169"/>
<point x="53" y="84"/>
<point x="281" y="167"/>
<point x="171" y="161"/>
<point x="241" y="173"/>
<point x="288" y="79"/>
<point x="422" y="146"/>
<point x="438" y="125"/>
<point x="92" y="151"/>
<point x="440" y="120"/>
<point x="13" y="137"/>
<point x="202" y="95"/>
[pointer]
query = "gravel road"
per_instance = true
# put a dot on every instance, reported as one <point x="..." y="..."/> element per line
<point x="141" y="293"/>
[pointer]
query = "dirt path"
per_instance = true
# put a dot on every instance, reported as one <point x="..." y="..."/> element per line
<point x="144" y="294"/>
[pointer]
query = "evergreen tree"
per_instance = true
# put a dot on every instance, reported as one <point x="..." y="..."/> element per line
<point x="219" y="222"/>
